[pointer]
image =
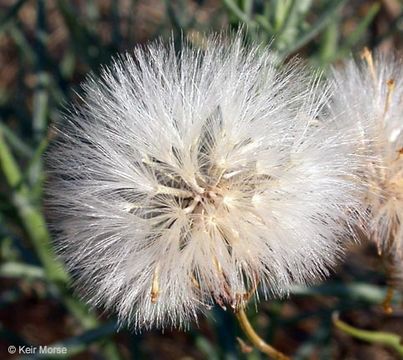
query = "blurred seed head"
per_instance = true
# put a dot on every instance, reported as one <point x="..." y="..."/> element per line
<point x="371" y="91"/>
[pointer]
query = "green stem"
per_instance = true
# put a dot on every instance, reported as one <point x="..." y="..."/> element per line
<point x="32" y="220"/>
<point x="384" y="338"/>
<point x="255" y="339"/>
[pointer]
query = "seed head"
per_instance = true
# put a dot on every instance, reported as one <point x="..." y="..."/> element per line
<point x="183" y="181"/>
<point x="371" y="91"/>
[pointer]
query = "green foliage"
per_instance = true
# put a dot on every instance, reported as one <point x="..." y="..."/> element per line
<point x="45" y="76"/>
<point x="288" y="26"/>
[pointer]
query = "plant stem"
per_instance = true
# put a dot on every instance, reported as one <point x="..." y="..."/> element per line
<point x="380" y="337"/>
<point x="31" y="218"/>
<point x="255" y="339"/>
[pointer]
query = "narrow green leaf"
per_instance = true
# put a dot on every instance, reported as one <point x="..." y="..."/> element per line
<point x="265" y="24"/>
<point x="16" y="270"/>
<point x="353" y="291"/>
<point x="248" y="8"/>
<point x="24" y="46"/>
<point x="15" y="141"/>
<point x="281" y="10"/>
<point x="32" y="219"/>
<point x="77" y="344"/>
<point x="329" y="41"/>
<point x="233" y="7"/>
<point x="315" y="29"/>
<point x="40" y="98"/>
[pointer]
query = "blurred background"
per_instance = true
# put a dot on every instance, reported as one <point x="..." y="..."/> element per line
<point x="46" y="49"/>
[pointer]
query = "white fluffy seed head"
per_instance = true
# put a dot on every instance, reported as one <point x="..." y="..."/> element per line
<point x="186" y="180"/>
<point x="371" y="92"/>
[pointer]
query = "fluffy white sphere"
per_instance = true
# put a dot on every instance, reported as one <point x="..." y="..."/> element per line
<point x="370" y="93"/>
<point x="187" y="180"/>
